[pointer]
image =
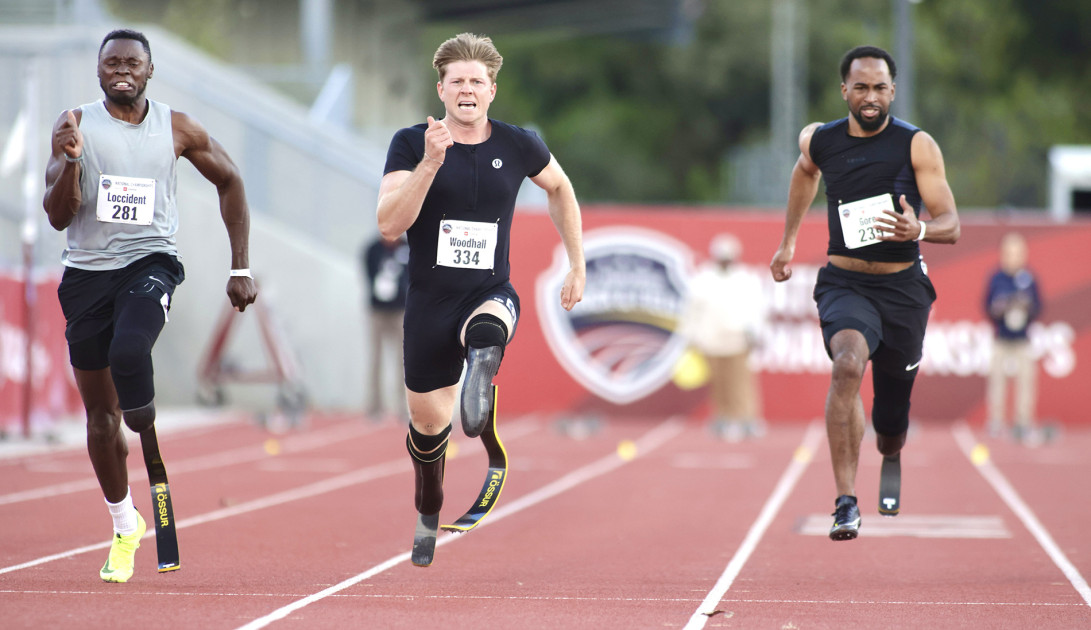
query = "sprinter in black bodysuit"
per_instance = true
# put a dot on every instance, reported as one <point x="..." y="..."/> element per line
<point x="873" y="297"/>
<point x="451" y="185"/>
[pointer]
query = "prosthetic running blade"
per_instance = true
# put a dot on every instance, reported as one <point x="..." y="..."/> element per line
<point x="166" y="537"/>
<point x="494" y="479"/>
<point x="424" y="539"/>
<point x="890" y="486"/>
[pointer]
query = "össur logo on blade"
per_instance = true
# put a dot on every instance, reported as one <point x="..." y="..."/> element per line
<point x="619" y="342"/>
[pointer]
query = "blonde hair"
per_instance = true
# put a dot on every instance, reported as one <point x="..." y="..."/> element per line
<point x="468" y="47"/>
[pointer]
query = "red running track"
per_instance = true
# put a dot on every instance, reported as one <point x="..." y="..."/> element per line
<point x="311" y="529"/>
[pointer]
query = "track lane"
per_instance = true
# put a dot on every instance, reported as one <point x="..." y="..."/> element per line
<point x="1052" y="480"/>
<point x="522" y="504"/>
<point x="70" y="524"/>
<point x="244" y="442"/>
<point x="1027" y="517"/>
<point x="639" y="546"/>
<point x="901" y="582"/>
<point x="636" y="548"/>
<point x="244" y="558"/>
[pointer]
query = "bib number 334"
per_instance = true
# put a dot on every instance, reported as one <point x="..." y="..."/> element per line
<point x="466" y="244"/>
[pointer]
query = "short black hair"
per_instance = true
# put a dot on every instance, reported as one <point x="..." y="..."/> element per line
<point x="867" y="51"/>
<point x="125" y="33"/>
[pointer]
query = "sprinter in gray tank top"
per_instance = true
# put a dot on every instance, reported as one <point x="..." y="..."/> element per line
<point x="110" y="182"/>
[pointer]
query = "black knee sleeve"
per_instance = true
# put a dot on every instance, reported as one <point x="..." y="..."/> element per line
<point x="428" y="468"/>
<point x="130" y="354"/>
<point x="426" y="448"/>
<point x="890" y="407"/>
<point x="486" y="330"/>
<point x="140" y="419"/>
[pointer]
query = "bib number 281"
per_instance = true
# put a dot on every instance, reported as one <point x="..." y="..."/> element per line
<point x="124" y="213"/>
<point x="127" y="200"/>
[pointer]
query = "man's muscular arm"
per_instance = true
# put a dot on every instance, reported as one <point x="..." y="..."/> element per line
<point x="801" y="193"/>
<point x="62" y="176"/>
<point x="402" y="193"/>
<point x="564" y="210"/>
<point x="944" y="226"/>
<point x="191" y="141"/>
<point x="936" y="194"/>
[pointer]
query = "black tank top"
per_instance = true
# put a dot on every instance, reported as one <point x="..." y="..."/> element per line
<point x="857" y="168"/>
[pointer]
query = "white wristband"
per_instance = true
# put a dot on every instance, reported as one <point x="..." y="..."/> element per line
<point x="241" y="273"/>
<point x="920" y="237"/>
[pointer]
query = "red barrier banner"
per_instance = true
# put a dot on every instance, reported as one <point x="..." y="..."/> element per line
<point x="53" y="391"/>
<point x="618" y="352"/>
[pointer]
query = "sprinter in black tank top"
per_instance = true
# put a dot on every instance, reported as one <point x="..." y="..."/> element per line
<point x="451" y="184"/>
<point x="873" y="297"/>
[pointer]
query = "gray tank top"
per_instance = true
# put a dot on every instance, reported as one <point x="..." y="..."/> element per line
<point x="122" y="164"/>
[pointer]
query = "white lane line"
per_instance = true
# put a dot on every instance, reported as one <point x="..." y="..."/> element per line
<point x="117" y="594"/>
<point x="970" y="448"/>
<point x="916" y="526"/>
<point x="304" y="492"/>
<point x="647" y="443"/>
<point x="332" y="484"/>
<point x="800" y="459"/>
<point x="293" y="444"/>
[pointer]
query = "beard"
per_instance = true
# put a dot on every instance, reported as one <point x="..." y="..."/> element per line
<point x="871" y="125"/>
<point x="124" y="99"/>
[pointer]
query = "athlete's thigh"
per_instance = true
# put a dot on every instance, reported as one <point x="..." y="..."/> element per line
<point x="87" y="301"/>
<point x="431" y="351"/>
<point x="905" y="319"/>
<point x="96" y="389"/>
<point x="841" y="308"/>
<point x="903" y="338"/>
<point x="502" y="302"/>
<point x="431" y="411"/>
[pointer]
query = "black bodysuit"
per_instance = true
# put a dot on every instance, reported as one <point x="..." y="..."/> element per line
<point x="477" y="183"/>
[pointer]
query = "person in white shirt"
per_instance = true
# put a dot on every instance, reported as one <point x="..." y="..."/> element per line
<point x="722" y="318"/>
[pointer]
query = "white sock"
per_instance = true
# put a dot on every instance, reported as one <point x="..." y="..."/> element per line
<point x="124" y="515"/>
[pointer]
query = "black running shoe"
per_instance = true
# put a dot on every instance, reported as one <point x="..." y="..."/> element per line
<point x="846" y="519"/>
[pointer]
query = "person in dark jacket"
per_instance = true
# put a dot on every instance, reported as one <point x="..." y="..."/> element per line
<point x="1012" y="303"/>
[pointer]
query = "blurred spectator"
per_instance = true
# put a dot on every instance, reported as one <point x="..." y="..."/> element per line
<point x="1012" y="303"/>
<point x="723" y="315"/>
<point x="387" y="284"/>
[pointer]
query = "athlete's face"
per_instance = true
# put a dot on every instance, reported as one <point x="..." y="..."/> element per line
<point x="466" y="91"/>
<point x="123" y="71"/>
<point x="869" y="90"/>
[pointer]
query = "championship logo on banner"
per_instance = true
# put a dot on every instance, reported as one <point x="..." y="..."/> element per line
<point x="619" y="342"/>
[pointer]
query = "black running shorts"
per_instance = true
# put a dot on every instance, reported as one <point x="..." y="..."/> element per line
<point x="91" y="301"/>
<point x="890" y="310"/>
<point x="434" y="356"/>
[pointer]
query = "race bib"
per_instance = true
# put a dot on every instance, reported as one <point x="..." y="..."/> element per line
<point x="858" y="220"/>
<point x="466" y="244"/>
<point x="125" y="200"/>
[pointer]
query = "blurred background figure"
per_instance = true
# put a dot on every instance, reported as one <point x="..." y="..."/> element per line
<point x="724" y="312"/>
<point x="1012" y="302"/>
<point x="387" y="284"/>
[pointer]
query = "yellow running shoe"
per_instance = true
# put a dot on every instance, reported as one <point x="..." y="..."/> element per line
<point x="119" y="565"/>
